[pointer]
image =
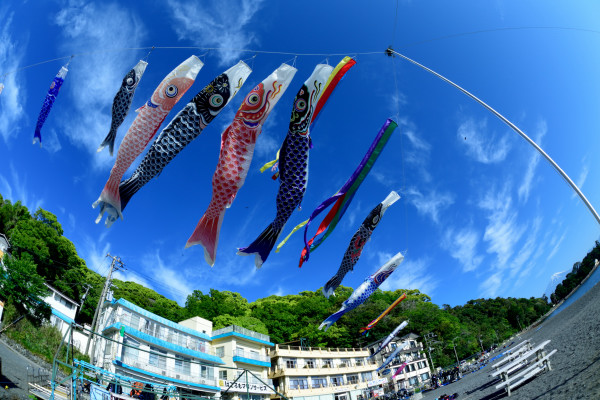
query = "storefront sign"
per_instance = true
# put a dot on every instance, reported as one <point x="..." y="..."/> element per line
<point x="377" y="382"/>
<point x="242" y="387"/>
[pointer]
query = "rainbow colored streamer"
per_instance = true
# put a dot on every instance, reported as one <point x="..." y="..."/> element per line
<point x="383" y="314"/>
<point x="342" y="199"/>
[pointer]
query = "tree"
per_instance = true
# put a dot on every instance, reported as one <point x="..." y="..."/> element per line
<point x="22" y="286"/>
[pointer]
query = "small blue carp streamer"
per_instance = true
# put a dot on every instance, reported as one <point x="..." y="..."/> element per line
<point x="365" y="290"/>
<point x="390" y="337"/>
<point x="49" y="102"/>
<point x="392" y="356"/>
<point x="122" y="103"/>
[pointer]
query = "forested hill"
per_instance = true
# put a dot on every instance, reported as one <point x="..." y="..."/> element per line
<point x="41" y="253"/>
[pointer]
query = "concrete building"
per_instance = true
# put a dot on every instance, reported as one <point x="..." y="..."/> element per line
<point x="322" y="373"/>
<point x="247" y="350"/>
<point x="187" y="355"/>
<point x="64" y="309"/>
<point x="148" y="347"/>
<point x="417" y="371"/>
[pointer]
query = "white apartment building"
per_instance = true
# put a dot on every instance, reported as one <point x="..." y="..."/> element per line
<point x="248" y="351"/>
<point x="64" y="309"/>
<point x="322" y="373"/>
<point x="416" y="372"/>
<point x="188" y="355"/>
<point x="148" y="347"/>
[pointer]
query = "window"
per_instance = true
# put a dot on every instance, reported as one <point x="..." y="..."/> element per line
<point x="394" y="345"/>
<point x="425" y="376"/>
<point x="223" y="375"/>
<point x="359" y="362"/>
<point x="412" y="343"/>
<point x="207" y="372"/>
<point x="240" y="352"/>
<point x="352" y="379"/>
<point x="131" y="319"/>
<point x="337" y="380"/>
<point x="108" y="348"/>
<point x="367" y="376"/>
<point x="319" y="382"/>
<point x="327" y="363"/>
<point x="220" y="351"/>
<point x="182" y="364"/>
<point x="309" y="363"/>
<point x="254" y="355"/>
<point x="158" y="357"/>
<point x="411" y="367"/>
<point x="130" y="348"/>
<point x="290" y="363"/>
<point x="413" y="381"/>
<point x="299" y="382"/>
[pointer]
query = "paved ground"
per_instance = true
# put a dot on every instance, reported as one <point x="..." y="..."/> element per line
<point x="14" y="372"/>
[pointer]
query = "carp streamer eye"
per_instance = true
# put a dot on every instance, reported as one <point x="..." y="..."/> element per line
<point x="129" y="81"/>
<point x="171" y="91"/>
<point x="216" y="100"/>
<point x="300" y="105"/>
<point x="253" y="99"/>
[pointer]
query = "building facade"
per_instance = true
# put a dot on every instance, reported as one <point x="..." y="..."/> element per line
<point x="143" y="345"/>
<point x="247" y="351"/>
<point x="188" y="355"/>
<point x="64" y="310"/>
<point x="322" y="373"/>
<point x="415" y="373"/>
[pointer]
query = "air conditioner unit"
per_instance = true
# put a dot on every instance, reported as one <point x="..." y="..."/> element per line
<point x="164" y="372"/>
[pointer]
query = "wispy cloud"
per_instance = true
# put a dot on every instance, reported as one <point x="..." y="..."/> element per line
<point x="525" y="187"/>
<point x="490" y="287"/>
<point x="526" y="254"/>
<point x="462" y="245"/>
<point x="222" y="25"/>
<point x="14" y="94"/>
<point x="431" y="204"/>
<point x="417" y="152"/>
<point x="14" y="188"/>
<point x="556" y="242"/>
<point x="97" y="77"/>
<point x="169" y="277"/>
<point x="481" y="144"/>
<point x="503" y="230"/>
<point x="585" y="169"/>
<point x="411" y="274"/>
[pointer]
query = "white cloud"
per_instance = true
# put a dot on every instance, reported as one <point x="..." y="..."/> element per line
<point x="431" y="204"/>
<point x="415" y="140"/>
<point x="556" y="243"/>
<point x="417" y="154"/>
<point x="94" y="78"/>
<point x="14" y="93"/>
<point x="462" y="246"/>
<point x="171" y="278"/>
<point x="502" y="231"/>
<point x="526" y="254"/>
<point x="585" y="169"/>
<point x="222" y="25"/>
<point x="14" y="189"/>
<point x="490" y="287"/>
<point x="410" y="274"/>
<point x="480" y="144"/>
<point x="525" y="187"/>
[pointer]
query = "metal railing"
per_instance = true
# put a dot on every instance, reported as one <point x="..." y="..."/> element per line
<point x="181" y="374"/>
<point x="243" y="331"/>
<point x="250" y="355"/>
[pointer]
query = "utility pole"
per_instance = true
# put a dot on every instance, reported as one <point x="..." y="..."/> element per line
<point x="453" y="345"/>
<point x="481" y="344"/>
<point x="107" y="283"/>
<point x="427" y="338"/>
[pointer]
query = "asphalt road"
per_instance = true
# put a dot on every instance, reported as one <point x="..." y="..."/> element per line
<point x="13" y="380"/>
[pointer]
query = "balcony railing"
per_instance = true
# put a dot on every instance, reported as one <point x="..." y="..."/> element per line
<point x="168" y="372"/>
<point x="251" y="356"/>
<point x="243" y="331"/>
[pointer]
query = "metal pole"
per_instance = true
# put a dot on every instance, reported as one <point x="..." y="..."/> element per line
<point x="100" y="301"/>
<point x="389" y="51"/>
<point x="456" y="355"/>
<point x="247" y="386"/>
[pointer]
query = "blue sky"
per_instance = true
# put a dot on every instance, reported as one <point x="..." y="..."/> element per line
<point x="481" y="213"/>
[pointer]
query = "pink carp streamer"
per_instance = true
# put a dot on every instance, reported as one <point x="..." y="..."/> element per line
<point x="142" y="130"/>
<point x="237" y="149"/>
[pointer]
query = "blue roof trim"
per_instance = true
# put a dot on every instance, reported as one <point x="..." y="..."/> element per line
<point x="251" y="361"/>
<point x="160" y="319"/>
<point x="162" y="343"/>
<point x="121" y="364"/>
<point x="62" y="316"/>
<point x="241" y="335"/>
